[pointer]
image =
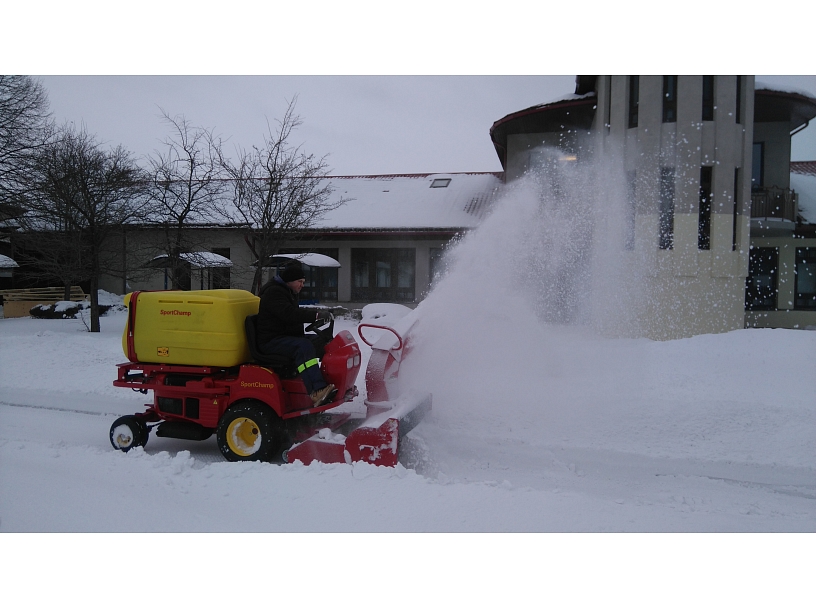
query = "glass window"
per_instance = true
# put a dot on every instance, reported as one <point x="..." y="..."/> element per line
<point x="760" y="285"/>
<point x="757" y="169"/>
<point x="631" y="207"/>
<point x="704" y="216"/>
<point x="406" y="262"/>
<point x="440" y="183"/>
<point x="361" y="274"/>
<point x="436" y="264"/>
<point x="805" y="278"/>
<point x="405" y="276"/>
<point x="634" y="91"/>
<point x="739" y="99"/>
<point x="735" y="213"/>
<point x="666" y="220"/>
<point x="383" y="274"/>
<point x="708" y="98"/>
<point x="669" y="99"/>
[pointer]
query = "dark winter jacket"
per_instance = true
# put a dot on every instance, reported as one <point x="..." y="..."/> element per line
<point x="279" y="313"/>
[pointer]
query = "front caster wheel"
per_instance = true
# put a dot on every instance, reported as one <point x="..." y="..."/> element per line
<point x="128" y="432"/>
<point x="249" y="431"/>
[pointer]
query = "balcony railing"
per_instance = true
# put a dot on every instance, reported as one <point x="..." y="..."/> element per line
<point x="774" y="202"/>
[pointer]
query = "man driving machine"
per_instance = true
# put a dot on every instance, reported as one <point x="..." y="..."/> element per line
<point x="280" y="329"/>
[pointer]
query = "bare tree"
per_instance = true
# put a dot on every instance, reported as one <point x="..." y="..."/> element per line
<point x="81" y="197"/>
<point x="51" y="243"/>
<point x="24" y="123"/>
<point x="278" y="190"/>
<point x="185" y="184"/>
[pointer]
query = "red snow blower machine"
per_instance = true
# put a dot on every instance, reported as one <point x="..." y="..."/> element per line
<point x="196" y="351"/>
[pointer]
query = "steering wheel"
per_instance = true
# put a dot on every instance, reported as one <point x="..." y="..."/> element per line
<point x="327" y="332"/>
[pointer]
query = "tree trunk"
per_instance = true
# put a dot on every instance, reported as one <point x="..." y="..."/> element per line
<point x="95" y="302"/>
<point x="124" y="261"/>
<point x="256" y="280"/>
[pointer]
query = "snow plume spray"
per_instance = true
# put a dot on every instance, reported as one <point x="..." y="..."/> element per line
<point x="552" y="262"/>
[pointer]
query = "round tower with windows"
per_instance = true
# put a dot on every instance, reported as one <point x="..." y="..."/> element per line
<point x="681" y="146"/>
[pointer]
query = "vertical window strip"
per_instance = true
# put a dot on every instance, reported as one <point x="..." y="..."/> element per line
<point x="704" y="217"/>
<point x="608" y="102"/>
<point x="739" y="100"/>
<point x="634" y="91"/>
<point x="669" y="99"/>
<point x="708" y="98"/>
<point x="631" y="201"/>
<point x="666" y="212"/>
<point x="735" y="224"/>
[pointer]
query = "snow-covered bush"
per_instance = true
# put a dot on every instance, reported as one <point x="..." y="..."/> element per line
<point x="62" y="310"/>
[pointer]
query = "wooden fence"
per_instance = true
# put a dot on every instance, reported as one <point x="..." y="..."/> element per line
<point x="17" y="302"/>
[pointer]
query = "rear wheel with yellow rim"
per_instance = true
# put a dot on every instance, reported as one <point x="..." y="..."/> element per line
<point x="249" y="431"/>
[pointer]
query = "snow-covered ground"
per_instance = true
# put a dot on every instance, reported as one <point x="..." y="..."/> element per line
<point x="711" y="434"/>
<point x="536" y="428"/>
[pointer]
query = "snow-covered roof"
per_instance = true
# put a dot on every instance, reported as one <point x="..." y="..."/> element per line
<point x="312" y="259"/>
<point x="196" y="259"/>
<point x="7" y="263"/>
<point x="411" y="201"/>
<point x="569" y="97"/>
<point x="760" y="86"/>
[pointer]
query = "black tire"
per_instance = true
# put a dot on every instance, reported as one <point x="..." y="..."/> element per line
<point x="128" y="432"/>
<point x="249" y="431"/>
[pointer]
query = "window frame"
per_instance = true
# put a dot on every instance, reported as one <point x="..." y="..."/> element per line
<point x="399" y="261"/>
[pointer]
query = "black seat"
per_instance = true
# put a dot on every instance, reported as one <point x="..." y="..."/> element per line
<point x="283" y="366"/>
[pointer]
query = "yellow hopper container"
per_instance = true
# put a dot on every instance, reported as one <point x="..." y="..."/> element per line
<point x="196" y="327"/>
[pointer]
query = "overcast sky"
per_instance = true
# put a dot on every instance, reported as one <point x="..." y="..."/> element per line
<point x="366" y="124"/>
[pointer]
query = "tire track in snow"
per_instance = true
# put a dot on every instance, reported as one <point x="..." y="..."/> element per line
<point x="204" y="453"/>
<point x="63" y="409"/>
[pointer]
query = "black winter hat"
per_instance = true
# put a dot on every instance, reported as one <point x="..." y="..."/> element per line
<point x="292" y="271"/>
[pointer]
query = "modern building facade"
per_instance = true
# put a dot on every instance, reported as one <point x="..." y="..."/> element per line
<point x="697" y="156"/>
